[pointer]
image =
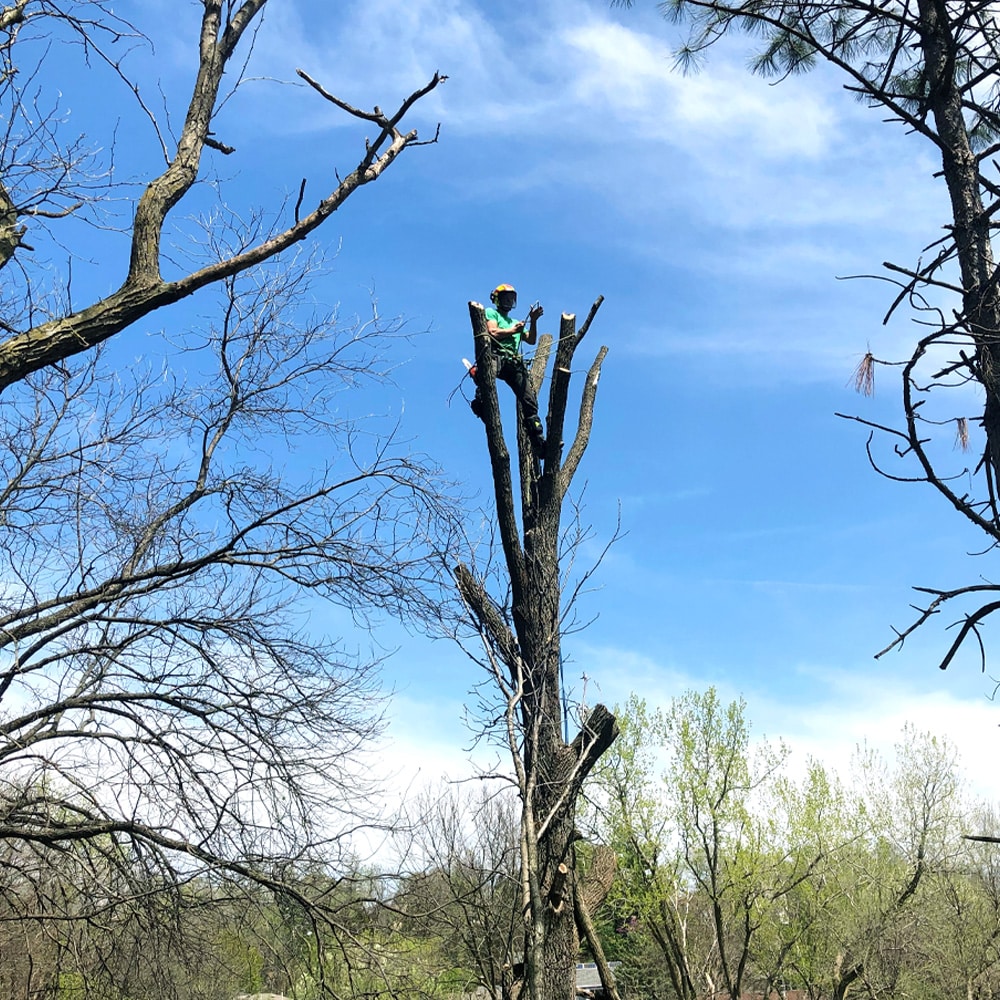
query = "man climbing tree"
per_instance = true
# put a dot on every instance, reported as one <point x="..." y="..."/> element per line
<point x="506" y="335"/>
<point x="521" y="638"/>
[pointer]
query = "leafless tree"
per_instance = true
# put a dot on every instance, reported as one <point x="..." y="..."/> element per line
<point x="163" y="694"/>
<point x="462" y="888"/>
<point x="173" y="711"/>
<point x="521" y="635"/>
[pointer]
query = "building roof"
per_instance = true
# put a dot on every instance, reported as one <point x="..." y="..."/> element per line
<point x="587" y="976"/>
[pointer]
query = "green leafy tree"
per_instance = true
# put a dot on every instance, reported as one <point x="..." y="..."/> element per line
<point x="630" y="812"/>
<point x="735" y="879"/>
<point x="908" y="822"/>
<point x="959" y="953"/>
<point x="705" y="859"/>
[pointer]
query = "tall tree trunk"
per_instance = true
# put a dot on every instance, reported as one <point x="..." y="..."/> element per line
<point x="523" y="645"/>
<point x="960" y="167"/>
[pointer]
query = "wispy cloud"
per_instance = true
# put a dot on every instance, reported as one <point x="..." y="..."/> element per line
<point x="628" y="78"/>
<point x="580" y="96"/>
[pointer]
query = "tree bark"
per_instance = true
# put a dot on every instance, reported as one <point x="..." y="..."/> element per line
<point x="524" y="645"/>
<point x="589" y="896"/>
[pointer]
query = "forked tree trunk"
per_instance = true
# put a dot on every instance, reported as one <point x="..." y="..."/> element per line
<point x="523" y="646"/>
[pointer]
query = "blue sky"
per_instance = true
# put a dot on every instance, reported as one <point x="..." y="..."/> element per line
<point x="715" y="213"/>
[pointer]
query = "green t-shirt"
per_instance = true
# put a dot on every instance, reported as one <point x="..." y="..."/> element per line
<point x="510" y="344"/>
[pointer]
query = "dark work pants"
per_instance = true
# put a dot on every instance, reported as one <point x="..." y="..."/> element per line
<point x="512" y="370"/>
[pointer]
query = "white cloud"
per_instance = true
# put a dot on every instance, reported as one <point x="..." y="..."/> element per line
<point x="568" y="66"/>
<point x="628" y="75"/>
<point x="427" y="741"/>
<point x="826" y="713"/>
<point x="378" y="50"/>
<point x="720" y="145"/>
<point x="873" y="710"/>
